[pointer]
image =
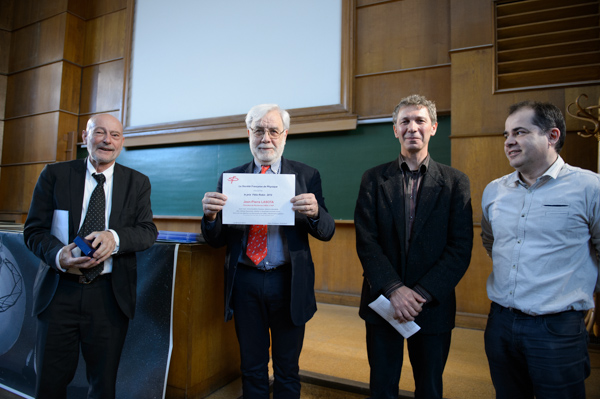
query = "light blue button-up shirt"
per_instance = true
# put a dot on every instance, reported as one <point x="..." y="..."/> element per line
<point x="543" y="240"/>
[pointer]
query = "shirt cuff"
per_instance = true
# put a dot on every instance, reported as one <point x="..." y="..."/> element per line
<point x="423" y="292"/>
<point x="313" y="222"/>
<point x="57" y="261"/>
<point x="210" y="224"/>
<point x="117" y="241"/>
<point x="390" y="288"/>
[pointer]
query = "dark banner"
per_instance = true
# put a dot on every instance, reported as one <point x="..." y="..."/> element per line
<point x="145" y="360"/>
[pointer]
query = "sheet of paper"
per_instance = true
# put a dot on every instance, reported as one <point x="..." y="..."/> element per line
<point x="384" y="308"/>
<point x="60" y="225"/>
<point x="258" y="199"/>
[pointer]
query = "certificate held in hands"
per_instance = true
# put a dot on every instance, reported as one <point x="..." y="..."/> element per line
<point x="258" y="199"/>
<point x="384" y="308"/>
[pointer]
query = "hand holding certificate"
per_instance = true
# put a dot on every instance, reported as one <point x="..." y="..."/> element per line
<point x="258" y="198"/>
<point x="384" y="308"/>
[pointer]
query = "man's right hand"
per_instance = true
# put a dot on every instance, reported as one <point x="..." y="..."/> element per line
<point x="407" y="304"/>
<point x="212" y="203"/>
<point x="68" y="261"/>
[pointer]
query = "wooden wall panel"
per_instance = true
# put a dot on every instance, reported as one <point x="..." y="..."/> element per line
<point x="1" y="142"/>
<point x="26" y="139"/>
<point x="4" y="51"/>
<point x="580" y="151"/>
<point x="34" y="91"/>
<point x="178" y="223"/>
<point x="13" y="218"/>
<point x="471" y="23"/>
<point x="16" y="187"/>
<point x="483" y="160"/>
<point x="387" y="38"/>
<point x="476" y="110"/>
<point x="102" y="87"/>
<point x="338" y="270"/>
<point x="98" y="8"/>
<point x="6" y="15"/>
<point x="70" y="89"/>
<point x="3" y="86"/>
<point x="377" y="95"/>
<point x="79" y="8"/>
<point x="471" y="293"/>
<point x="74" y="39"/>
<point x="38" y="44"/>
<point x="366" y="3"/>
<point x="105" y="38"/>
<point x="29" y="11"/>
<point x="66" y="145"/>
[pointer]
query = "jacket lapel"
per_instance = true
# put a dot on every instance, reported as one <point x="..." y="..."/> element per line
<point x="429" y="192"/>
<point x="393" y="190"/>
<point x="118" y="196"/>
<point x="249" y="168"/>
<point x="77" y="184"/>
<point x="287" y="170"/>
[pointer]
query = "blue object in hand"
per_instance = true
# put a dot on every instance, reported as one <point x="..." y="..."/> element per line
<point x="85" y="246"/>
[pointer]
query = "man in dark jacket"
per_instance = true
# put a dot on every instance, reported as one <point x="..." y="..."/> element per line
<point x="414" y="235"/>
<point x="86" y="301"/>
<point x="270" y="288"/>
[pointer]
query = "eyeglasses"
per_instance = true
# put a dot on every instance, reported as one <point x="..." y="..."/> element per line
<point x="260" y="133"/>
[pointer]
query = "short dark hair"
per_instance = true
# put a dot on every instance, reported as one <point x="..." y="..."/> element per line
<point x="546" y="116"/>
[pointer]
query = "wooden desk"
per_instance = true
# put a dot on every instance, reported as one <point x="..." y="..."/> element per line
<point x="205" y="349"/>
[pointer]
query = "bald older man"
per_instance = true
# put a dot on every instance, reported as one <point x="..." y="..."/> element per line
<point x="86" y="301"/>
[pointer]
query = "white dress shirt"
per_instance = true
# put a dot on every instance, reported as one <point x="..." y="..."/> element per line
<point x="90" y="185"/>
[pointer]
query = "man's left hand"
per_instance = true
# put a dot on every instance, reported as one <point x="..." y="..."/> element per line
<point x="104" y="242"/>
<point x="306" y="204"/>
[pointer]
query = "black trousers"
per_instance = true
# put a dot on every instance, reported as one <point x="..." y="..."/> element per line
<point x="80" y="316"/>
<point x="428" y="354"/>
<point x="261" y="303"/>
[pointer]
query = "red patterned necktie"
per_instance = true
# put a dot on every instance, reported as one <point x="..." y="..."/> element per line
<point x="257" y="237"/>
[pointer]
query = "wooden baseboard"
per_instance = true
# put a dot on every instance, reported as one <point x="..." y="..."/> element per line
<point x="471" y="320"/>
<point x="337" y="298"/>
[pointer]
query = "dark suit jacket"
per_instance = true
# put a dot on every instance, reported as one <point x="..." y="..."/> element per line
<point x="61" y="186"/>
<point x="303" y="303"/>
<point x="441" y="241"/>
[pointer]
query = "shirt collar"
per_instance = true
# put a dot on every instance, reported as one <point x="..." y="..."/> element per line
<point x="554" y="170"/>
<point x="275" y="166"/>
<point x="550" y="173"/>
<point x="107" y="173"/>
<point x="422" y="167"/>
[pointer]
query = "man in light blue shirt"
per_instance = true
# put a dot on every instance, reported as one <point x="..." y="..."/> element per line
<point x="541" y="227"/>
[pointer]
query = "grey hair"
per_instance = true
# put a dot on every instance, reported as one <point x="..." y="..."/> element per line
<point x="418" y="101"/>
<point x="258" y="112"/>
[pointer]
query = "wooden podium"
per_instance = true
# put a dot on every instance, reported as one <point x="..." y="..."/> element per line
<point x="205" y="349"/>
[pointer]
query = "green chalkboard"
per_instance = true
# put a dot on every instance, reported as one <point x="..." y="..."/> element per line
<point x="181" y="174"/>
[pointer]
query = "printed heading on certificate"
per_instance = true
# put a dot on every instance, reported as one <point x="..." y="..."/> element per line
<point x="259" y="198"/>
